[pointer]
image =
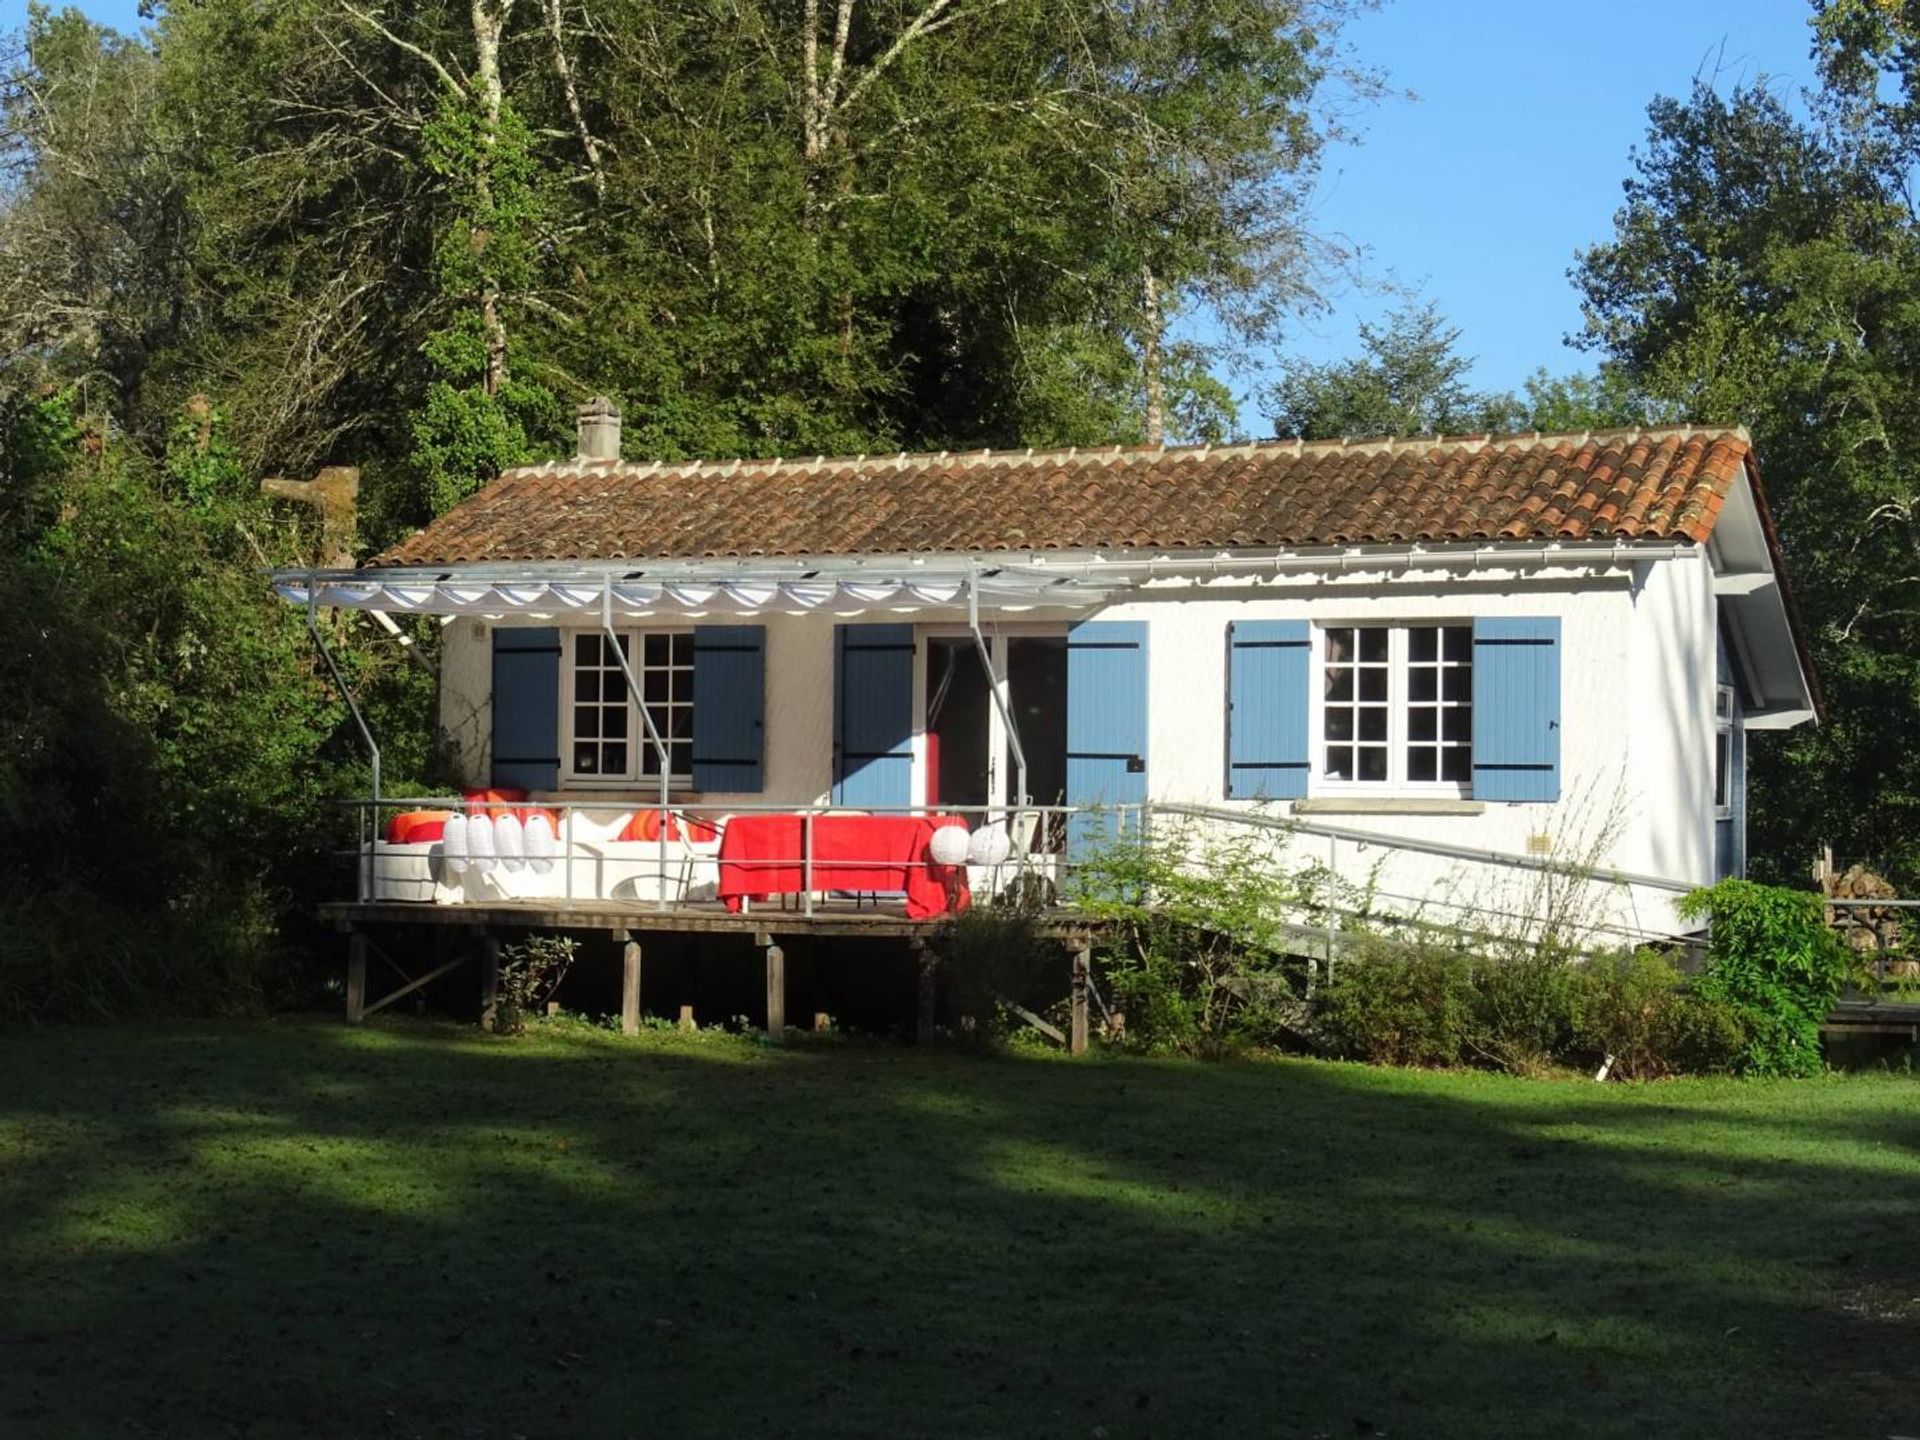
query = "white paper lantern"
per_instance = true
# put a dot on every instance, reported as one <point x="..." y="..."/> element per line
<point x="539" y="843"/>
<point x="509" y="840"/>
<point x="453" y="845"/>
<point x="948" y="845"/>
<point x="990" y="846"/>
<point x="480" y="851"/>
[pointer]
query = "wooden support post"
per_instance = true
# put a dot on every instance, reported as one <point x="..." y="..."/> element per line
<point x="923" y="955"/>
<point x="630" y="988"/>
<point x="356" y="977"/>
<point x="489" y="979"/>
<point x="776" y="991"/>
<point x="1077" y="1025"/>
<point x="686" y="1017"/>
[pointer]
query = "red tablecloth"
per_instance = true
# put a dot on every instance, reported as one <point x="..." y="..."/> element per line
<point x="760" y="855"/>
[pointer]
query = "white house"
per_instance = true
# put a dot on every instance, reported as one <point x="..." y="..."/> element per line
<point x="1442" y="663"/>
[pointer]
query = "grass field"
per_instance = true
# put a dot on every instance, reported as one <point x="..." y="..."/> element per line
<point x="293" y="1228"/>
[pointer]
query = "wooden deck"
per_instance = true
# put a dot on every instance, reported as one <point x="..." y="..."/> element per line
<point x="688" y="918"/>
<point x="632" y="923"/>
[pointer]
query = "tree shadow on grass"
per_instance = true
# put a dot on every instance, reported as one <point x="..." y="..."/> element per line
<point x="297" y="1229"/>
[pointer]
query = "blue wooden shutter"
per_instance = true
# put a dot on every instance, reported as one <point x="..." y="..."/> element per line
<point x="1106" y="721"/>
<point x="1267" y="664"/>
<point x="873" y="716"/>
<point x="526" y="707"/>
<point x="729" y="705"/>
<point x="1516" y="709"/>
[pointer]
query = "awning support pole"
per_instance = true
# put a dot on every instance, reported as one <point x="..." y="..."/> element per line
<point x="993" y="688"/>
<point x="646" y="720"/>
<point x="366" y="736"/>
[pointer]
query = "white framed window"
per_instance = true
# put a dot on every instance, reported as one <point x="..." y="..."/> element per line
<point x="1723" y="708"/>
<point x="1393" y="708"/>
<point x="605" y="741"/>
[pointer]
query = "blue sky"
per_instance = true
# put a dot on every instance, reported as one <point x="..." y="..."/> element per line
<point x="1480" y="190"/>
<point x="1510" y="159"/>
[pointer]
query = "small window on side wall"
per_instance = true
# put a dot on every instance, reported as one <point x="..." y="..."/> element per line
<point x="1723" y="707"/>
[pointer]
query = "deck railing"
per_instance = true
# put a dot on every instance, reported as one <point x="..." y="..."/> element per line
<point x="1409" y="884"/>
<point x="588" y="864"/>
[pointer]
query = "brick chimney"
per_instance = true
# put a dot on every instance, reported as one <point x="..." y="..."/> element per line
<point x="599" y="421"/>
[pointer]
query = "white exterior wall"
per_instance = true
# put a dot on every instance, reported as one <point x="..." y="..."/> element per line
<point x="1636" y="763"/>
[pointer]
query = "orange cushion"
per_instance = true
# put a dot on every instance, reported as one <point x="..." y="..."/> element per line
<point x="645" y="825"/>
<point x="412" y="827"/>
<point x="494" y="800"/>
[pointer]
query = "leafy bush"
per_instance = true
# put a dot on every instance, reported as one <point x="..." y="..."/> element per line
<point x="530" y="976"/>
<point x="1523" y="1008"/>
<point x="990" y="955"/>
<point x="1396" y="1003"/>
<point x="1772" y="960"/>
<point x="1198" y="954"/>
<point x="1632" y="1008"/>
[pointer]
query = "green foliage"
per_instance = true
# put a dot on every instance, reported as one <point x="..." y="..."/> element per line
<point x="1395" y="1004"/>
<point x="990" y="955"/>
<point x="1772" y="959"/>
<point x="1765" y="270"/>
<point x="1523" y="1014"/>
<point x="1633" y="1010"/>
<point x="1198" y="927"/>
<point x="1411" y="379"/>
<point x="530" y="974"/>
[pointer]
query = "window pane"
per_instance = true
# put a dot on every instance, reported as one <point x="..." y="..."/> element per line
<point x="1373" y="762"/>
<point x="1373" y="724"/>
<point x="614" y="758"/>
<point x="1458" y="725"/>
<point x="682" y="648"/>
<point x="680" y="722"/>
<point x="682" y="753"/>
<point x="1420" y="764"/>
<point x="1339" y="724"/>
<point x="1373" y="685"/>
<point x="1420" y="724"/>
<point x="586" y="722"/>
<point x="1456" y="765"/>
<point x="1459" y="643"/>
<point x="1339" y="685"/>
<point x="1423" y="643"/>
<point x="1423" y="683"/>
<point x="585" y="759"/>
<point x="653" y="685"/>
<point x="1339" y="646"/>
<point x="1340" y="762"/>
<point x="586" y="649"/>
<point x="657" y="649"/>
<point x="615" y="723"/>
<point x="1373" y="645"/>
<point x="1458" y="684"/>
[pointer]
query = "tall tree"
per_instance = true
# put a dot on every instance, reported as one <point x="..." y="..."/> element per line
<point x="1765" y="270"/>
<point x="1410" y="378"/>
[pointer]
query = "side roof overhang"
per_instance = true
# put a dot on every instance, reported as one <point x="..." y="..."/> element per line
<point x="1764" y="629"/>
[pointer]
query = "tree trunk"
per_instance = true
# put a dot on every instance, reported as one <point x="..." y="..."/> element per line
<point x="1151" y="328"/>
<point x="488" y="23"/>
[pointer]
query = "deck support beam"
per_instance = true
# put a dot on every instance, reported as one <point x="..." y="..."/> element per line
<point x="1082" y="979"/>
<point x="356" y="976"/>
<point x="489" y="979"/>
<point x="630" y="986"/>
<point x="924" y="961"/>
<point x="776" y="991"/>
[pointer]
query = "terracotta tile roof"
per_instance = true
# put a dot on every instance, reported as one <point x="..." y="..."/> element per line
<point x="1657" y="484"/>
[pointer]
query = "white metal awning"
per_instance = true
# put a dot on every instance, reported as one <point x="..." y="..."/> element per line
<point x="688" y="590"/>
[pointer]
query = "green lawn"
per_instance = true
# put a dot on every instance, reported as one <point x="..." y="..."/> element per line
<point x="295" y="1228"/>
